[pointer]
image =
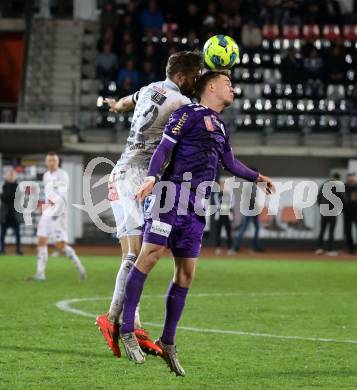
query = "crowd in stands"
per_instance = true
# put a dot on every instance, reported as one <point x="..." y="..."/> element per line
<point x="137" y="38"/>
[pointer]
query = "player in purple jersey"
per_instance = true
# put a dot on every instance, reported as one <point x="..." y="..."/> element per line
<point x="197" y="140"/>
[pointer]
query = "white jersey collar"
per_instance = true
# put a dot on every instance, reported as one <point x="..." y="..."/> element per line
<point x="171" y="85"/>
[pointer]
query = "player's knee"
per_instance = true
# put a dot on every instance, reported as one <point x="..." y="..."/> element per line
<point x="41" y="241"/>
<point x="184" y="277"/>
<point x="148" y="258"/>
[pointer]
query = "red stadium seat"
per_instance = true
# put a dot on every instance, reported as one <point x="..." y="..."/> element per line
<point x="270" y="31"/>
<point x="311" y="31"/>
<point x="291" y="32"/>
<point x="331" y="32"/>
<point x="350" y="32"/>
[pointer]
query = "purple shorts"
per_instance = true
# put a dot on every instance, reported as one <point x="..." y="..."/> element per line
<point x="181" y="233"/>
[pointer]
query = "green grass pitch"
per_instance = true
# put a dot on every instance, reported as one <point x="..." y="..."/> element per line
<point x="42" y="347"/>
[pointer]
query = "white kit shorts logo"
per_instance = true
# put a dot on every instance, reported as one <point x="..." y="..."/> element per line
<point x="161" y="228"/>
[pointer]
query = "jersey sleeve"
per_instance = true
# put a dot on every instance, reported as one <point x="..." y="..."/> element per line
<point x="179" y="123"/>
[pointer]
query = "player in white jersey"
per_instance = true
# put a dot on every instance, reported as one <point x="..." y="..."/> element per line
<point x="153" y="105"/>
<point x="53" y="222"/>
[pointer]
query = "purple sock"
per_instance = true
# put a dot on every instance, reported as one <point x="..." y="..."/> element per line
<point x="175" y="302"/>
<point x="133" y="289"/>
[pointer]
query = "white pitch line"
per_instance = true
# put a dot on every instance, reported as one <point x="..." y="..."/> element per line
<point x="65" y="305"/>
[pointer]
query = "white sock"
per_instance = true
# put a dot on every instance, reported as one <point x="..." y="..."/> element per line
<point x="71" y="254"/>
<point x="116" y="305"/>
<point x="42" y="257"/>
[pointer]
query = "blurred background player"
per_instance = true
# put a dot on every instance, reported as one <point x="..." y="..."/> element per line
<point x="53" y="221"/>
<point x="153" y="105"/>
<point x="350" y="210"/>
<point x="224" y="200"/>
<point x="253" y="195"/>
<point x="9" y="217"/>
<point x="196" y="139"/>
<point x="327" y="222"/>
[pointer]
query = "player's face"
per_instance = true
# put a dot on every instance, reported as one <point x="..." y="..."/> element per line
<point x="187" y="86"/>
<point x="52" y="163"/>
<point x="224" y="90"/>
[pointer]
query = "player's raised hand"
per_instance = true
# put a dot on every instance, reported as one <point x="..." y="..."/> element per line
<point x="145" y="189"/>
<point x="112" y="104"/>
<point x="269" y="187"/>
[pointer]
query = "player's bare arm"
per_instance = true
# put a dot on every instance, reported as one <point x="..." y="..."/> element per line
<point x="124" y="104"/>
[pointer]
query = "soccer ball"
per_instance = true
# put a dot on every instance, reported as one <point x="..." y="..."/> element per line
<point x="221" y="52"/>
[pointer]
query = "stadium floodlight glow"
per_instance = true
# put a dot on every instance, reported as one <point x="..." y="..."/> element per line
<point x="111" y="119"/>
<point x="350" y="75"/>
<point x="332" y="122"/>
<point x="310" y="105"/>
<point x="112" y="86"/>
<point x="318" y="44"/>
<point x="331" y="105"/>
<point x="279" y="105"/>
<point x="267" y="89"/>
<point x="277" y="44"/>
<point x="297" y="44"/>
<point x="247" y="121"/>
<point x="100" y="101"/>
<point x="246" y="104"/>
<point x="301" y="106"/>
<point x="290" y="121"/>
<point x="265" y="43"/>
<point x="184" y="41"/>
<point x="238" y="90"/>
<point x="163" y="39"/>
<point x="343" y="106"/>
<point x="245" y="58"/>
<point x="289" y="105"/>
<point x="176" y="39"/>
<point x="288" y="90"/>
<point x="268" y="105"/>
<point x="245" y="75"/>
<point x="256" y="59"/>
<point x="259" y="104"/>
<point x="277" y="59"/>
<point x="286" y="43"/>
<point x="348" y="58"/>
<point x="322" y="104"/>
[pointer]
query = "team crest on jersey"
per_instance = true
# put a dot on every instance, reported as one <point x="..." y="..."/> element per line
<point x="208" y="123"/>
<point x="219" y="124"/>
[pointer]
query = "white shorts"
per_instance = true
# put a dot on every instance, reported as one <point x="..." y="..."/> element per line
<point x="128" y="212"/>
<point x="54" y="228"/>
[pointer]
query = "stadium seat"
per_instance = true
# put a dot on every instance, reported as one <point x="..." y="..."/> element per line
<point x="291" y="32"/>
<point x="331" y="32"/>
<point x="310" y="31"/>
<point x="270" y="31"/>
<point x="350" y="32"/>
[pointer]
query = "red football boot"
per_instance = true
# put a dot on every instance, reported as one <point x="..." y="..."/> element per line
<point x="147" y="345"/>
<point x="110" y="332"/>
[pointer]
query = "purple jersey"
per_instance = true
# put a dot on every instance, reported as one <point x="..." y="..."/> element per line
<point x="201" y="139"/>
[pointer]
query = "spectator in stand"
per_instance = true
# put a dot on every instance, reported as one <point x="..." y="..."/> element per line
<point x="350" y="210"/>
<point x="251" y="37"/>
<point x="128" y="86"/>
<point x="128" y="75"/>
<point x="328" y="222"/>
<point x="150" y="54"/>
<point x="313" y="66"/>
<point x="108" y="16"/>
<point x="148" y="74"/>
<point x="290" y="12"/>
<point x="192" y="18"/>
<point x="336" y="65"/>
<point x="9" y="217"/>
<point x="152" y="17"/>
<point x="291" y="68"/>
<point x="269" y="13"/>
<point x="223" y="217"/>
<point x="106" y="64"/>
<point x="252" y="197"/>
<point x="129" y="52"/>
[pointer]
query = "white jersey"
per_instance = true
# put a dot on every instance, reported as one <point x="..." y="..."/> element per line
<point x="56" y="187"/>
<point x="154" y="104"/>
